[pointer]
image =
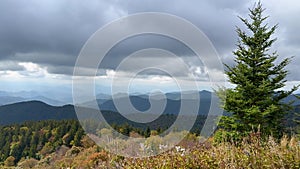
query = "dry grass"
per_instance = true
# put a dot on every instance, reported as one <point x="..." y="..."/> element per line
<point x="251" y="153"/>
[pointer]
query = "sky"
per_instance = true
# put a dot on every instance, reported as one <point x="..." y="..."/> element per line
<point x="41" y="40"/>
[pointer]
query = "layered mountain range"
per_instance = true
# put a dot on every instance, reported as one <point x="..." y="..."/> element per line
<point x="38" y="108"/>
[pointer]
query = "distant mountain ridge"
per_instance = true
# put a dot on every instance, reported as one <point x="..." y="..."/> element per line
<point x="4" y="100"/>
<point x="34" y="111"/>
<point x="173" y="104"/>
<point x="37" y="110"/>
<point x="21" y="96"/>
<point x="173" y="99"/>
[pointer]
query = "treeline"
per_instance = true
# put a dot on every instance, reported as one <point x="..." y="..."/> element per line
<point x="162" y="123"/>
<point x="36" y="139"/>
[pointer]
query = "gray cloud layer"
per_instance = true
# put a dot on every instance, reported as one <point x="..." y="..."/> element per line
<point x="51" y="33"/>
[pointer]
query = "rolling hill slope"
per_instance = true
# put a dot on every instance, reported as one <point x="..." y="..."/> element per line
<point x="34" y="111"/>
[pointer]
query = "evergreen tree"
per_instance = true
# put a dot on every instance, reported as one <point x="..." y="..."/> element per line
<point x="296" y="119"/>
<point x="147" y="132"/>
<point x="256" y="101"/>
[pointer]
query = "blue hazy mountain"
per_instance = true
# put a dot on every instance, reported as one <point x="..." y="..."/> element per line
<point x="4" y="100"/>
<point x="66" y="98"/>
<point x="141" y="102"/>
<point x="292" y="98"/>
<point x="37" y="110"/>
<point x="10" y="99"/>
<point x="21" y="96"/>
<point x="173" y="102"/>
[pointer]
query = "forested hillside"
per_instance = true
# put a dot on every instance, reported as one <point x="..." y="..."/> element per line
<point x="36" y="139"/>
<point x="63" y="144"/>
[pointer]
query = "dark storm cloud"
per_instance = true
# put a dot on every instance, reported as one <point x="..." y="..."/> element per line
<point x="215" y="18"/>
<point x="46" y="31"/>
<point x="130" y="45"/>
<point x="51" y="33"/>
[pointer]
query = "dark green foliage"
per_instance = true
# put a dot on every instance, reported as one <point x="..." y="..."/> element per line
<point x="29" y="138"/>
<point x="256" y="102"/>
<point x="37" y="139"/>
<point x="296" y="120"/>
<point x="147" y="132"/>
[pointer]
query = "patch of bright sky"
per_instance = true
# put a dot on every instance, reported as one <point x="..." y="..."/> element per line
<point x="36" y="78"/>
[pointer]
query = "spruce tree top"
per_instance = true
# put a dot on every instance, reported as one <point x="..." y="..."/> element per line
<point x="256" y="101"/>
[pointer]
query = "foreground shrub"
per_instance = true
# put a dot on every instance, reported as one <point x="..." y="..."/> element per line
<point x="251" y="152"/>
